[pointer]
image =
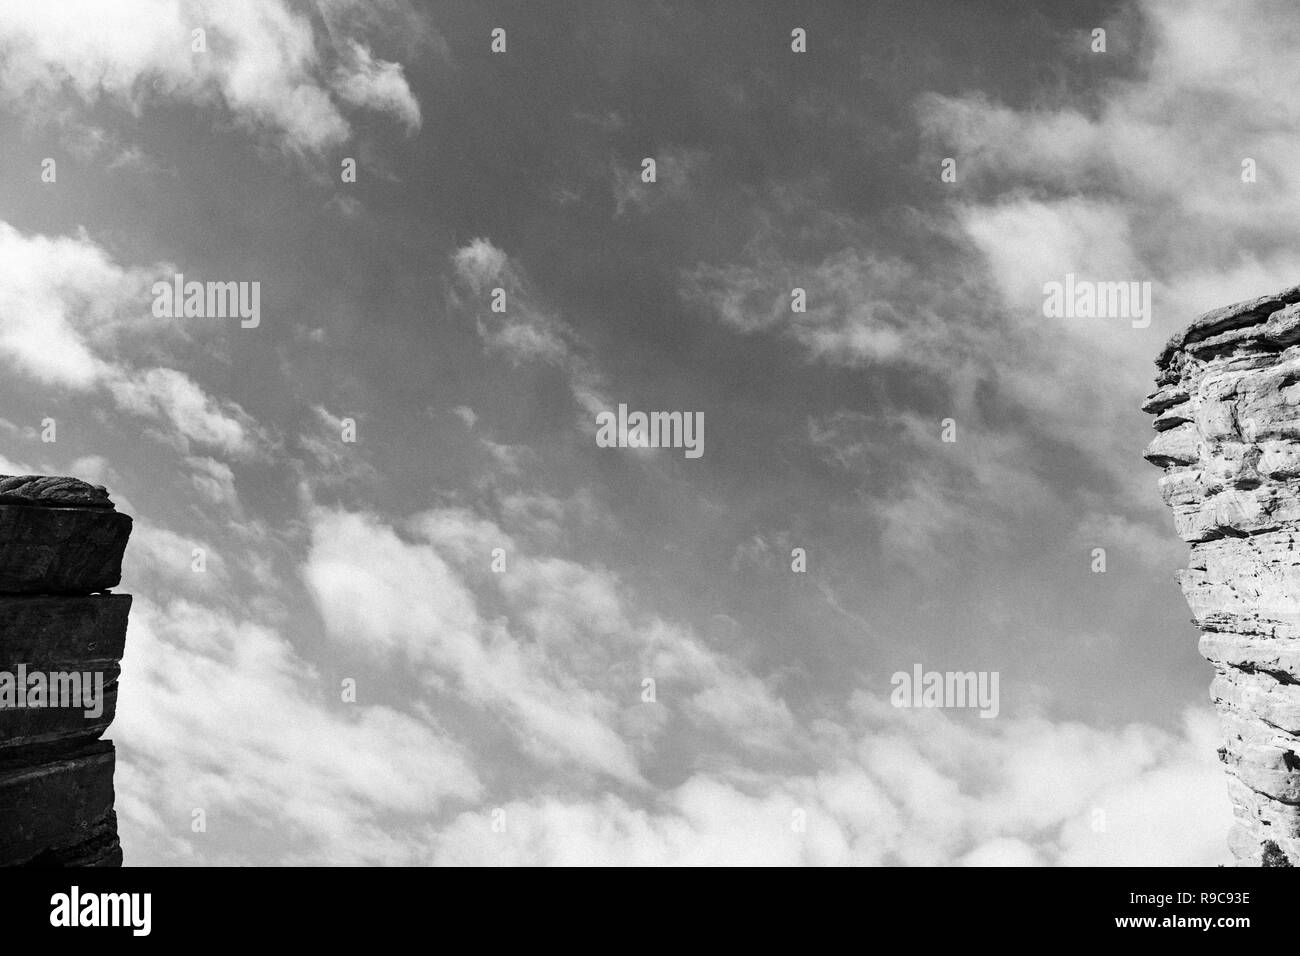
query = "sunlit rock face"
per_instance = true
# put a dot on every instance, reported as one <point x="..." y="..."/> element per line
<point x="1227" y="407"/>
<point x="61" y="640"/>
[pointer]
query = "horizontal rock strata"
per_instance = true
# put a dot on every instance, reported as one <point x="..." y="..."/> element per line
<point x="61" y="545"/>
<point x="73" y="549"/>
<point x="1227" y="407"/>
<point x="60" y="811"/>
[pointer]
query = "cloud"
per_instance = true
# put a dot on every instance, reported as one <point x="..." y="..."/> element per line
<point x="528" y="331"/>
<point x="1158" y="157"/>
<point x="976" y="489"/>
<point x="523" y="690"/>
<point x="173" y="397"/>
<point x="524" y="340"/>
<point x="545" y="662"/>
<point x="1138" y="180"/>
<point x="467" y="415"/>
<point x="265" y="63"/>
<point x="214" y="481"/>
<point x="1141" y="182"/>
<point x="524" y="332"/>
<point x="1029" y="242"/>
<point x="378" y="85"/>
<point x="226" y="718"/>
<point x="856" y="309"/>
<point x="480" y="263"/>
<point x="349" y="207"/>
<point x="560" y="663"/>
<point x="675" y="167"/>
<point x="910" y="788"/>
<point x="404" y="602"/>
<point x="1127" y="538"/>
<point x="328" y="461"/>
<point x="68" y="314"/>
<point x="868" y="782"/>
<point x="53" y="297"/>
<point x="163" y="561"/>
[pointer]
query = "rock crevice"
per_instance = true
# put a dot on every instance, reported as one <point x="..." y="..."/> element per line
<point x="1227" y="407"/>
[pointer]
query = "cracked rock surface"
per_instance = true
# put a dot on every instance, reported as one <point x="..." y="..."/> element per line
<point x="1227" y="407"/>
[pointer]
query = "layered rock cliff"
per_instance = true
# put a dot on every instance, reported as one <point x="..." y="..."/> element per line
<point x="1227" y="407"/>
<point x="61" y="638"/>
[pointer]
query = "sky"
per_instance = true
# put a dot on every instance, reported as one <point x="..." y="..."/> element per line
<point x="430" y="601"/>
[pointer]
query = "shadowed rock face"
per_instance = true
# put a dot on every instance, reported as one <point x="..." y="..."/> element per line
<point x="1227" y="410"/>
<point x="58" y="536"/>
<point x="61" y="546"/>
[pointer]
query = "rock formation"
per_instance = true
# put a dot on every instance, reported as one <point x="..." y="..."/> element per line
<point x="1227" y="410"/>
<point x="61" y="546"/>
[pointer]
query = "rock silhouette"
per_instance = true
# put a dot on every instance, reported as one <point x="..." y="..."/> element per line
<point x="61" y="547"/>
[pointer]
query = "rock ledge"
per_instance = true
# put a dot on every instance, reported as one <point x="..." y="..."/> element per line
<point x="1227" y="407"/>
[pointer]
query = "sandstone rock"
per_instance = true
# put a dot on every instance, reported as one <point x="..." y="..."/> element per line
<point x="61" y="550"/>
<point x="1284" y="325"/>
<point x="61" y="540"/>
<point x="1173" y="416"/>
<point x="1164" y="397"/>
<point x="1175" y="446"/>
<point x="69" y="630"/>
<point x="54" y="492"/>
<point x="83" y="634"/>
<point x="1227" y="412"/>
<point x="47" y="732"/>
<point x="100" y="848"/>
<point x="1252" y="312"/>
<point x="58" y="807"/>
